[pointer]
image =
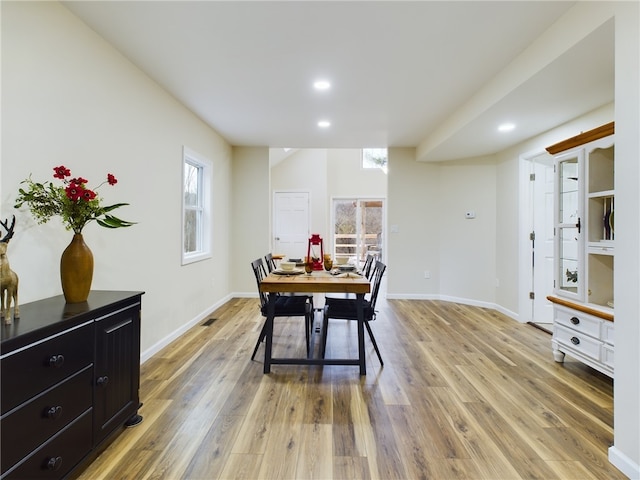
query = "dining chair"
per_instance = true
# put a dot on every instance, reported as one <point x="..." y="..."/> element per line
<point x="271" y="266"/>
<point x="285" y="306"/>
<point x="367" y="267"/>
<point x="270" y="262"/>
<point x="367" y="271"/>
<point x="345" y="309"/>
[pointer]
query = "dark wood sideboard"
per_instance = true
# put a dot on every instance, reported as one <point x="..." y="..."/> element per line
<point x="69" y="384"/>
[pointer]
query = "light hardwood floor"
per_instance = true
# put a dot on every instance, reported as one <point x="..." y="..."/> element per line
<point x="465" y="393"/>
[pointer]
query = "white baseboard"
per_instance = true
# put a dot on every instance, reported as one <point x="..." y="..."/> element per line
<point x="151" y="351"/>
<point x="624" y="463"/>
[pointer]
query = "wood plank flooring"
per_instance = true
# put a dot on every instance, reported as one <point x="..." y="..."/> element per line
<point x="465" y="393"/>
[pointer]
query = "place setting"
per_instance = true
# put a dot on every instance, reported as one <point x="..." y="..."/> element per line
<point x="288" y="268"/>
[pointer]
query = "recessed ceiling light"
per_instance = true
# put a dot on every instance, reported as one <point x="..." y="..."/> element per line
<point x="321" y="85"/>
<point x="506" y="127"/>
<point x="324" y="124"/>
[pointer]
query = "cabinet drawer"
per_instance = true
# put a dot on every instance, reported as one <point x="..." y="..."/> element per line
<point x="578" y="321"/>
<point x="59" y="455"/>
<point x="31" y="370"/>
<point x="577" y="341"/>
<point x="33" y="423"/>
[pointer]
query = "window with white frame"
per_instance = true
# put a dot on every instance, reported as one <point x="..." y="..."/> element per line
<point x="374" y="158"/>
<point x="196" y="207"/>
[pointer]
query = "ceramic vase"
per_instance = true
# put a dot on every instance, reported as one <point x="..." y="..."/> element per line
<point x="76" y="270"/>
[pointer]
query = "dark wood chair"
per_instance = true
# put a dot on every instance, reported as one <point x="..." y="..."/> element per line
<point x="367" y="269"/>
<point x="285" y="306"/>
<point x="345" y="309"/>
<point x="271" y="266"/>
<point x="270" y="262"/>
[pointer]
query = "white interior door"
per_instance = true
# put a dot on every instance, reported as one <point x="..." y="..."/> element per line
<point x="543" y="246"/>
<point x="291" y="223"/>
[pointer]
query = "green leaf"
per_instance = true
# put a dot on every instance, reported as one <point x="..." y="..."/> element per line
<point x="109" y="221"/>
<point x="113" y="207"/>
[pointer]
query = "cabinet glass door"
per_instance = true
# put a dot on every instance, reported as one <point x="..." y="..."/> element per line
<point x="569" y="274"/>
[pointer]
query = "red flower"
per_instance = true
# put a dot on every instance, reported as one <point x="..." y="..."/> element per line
<point x="88" y="194"/>
<point x="79" y="181"/>
<point x="74" y="192"/>
<point x="73" y="201"/>
<point x="61" y="172"/>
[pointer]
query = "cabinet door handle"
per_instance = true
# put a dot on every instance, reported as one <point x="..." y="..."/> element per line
<point x="54" y="412"/>
<point x="56" y="361"/>
<point x="102" y="381"/>
<point x="575" y="320"/>
<point x="575" y="340"/>
<point x="54" y="463"/>
<point x="578" y="224"/>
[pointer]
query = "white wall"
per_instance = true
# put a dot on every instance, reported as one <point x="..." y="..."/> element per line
<point x="413" y="217"/>
<point x="427" y="203"/>
<point x="468" y="246"/>
<point x="68" y="98"/>
<point x="625" y="452"/>
<point x="346" y="177"/>
<point x="326" y="174"/>
<point x="305" y="170"/>
<point x="250" y="206"/>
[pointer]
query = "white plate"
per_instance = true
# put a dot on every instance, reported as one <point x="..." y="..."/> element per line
<point x="295" y="271"/>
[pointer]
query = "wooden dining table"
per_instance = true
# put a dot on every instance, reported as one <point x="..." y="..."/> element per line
<point x="316" y="282"/>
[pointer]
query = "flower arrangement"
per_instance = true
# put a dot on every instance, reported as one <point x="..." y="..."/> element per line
<point x="73" y="201"/>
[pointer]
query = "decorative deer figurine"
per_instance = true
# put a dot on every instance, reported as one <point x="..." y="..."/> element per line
<point x="8" y="278"/>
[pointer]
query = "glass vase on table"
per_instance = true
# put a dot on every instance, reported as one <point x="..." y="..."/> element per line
<point x="308" y="265"/>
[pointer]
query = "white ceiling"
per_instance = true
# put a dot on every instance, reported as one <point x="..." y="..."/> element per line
<point x="399" y="70"/>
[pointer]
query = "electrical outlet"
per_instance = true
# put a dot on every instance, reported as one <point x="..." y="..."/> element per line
<point x="427" y="274"/>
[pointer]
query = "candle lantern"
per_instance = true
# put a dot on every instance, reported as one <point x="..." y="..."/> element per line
<point x="316" y="258"/>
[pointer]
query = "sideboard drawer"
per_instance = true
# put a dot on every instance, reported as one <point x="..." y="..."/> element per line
<point x="578" y="321"/>
<point x="577" y="341"/>
<point x="59" y="455"/>
<point x="31" y="370"/>
<point x="33" y="423"/>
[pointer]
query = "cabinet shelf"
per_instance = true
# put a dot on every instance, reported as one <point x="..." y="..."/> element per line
<point x="604" y="247"/>
<point x="603" y="193"/>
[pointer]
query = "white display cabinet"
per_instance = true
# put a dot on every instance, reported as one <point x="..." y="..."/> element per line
<point x="584" y="232"/>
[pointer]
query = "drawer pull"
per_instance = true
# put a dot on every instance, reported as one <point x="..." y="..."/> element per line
<point x="575" y="320"/>
<point x="575" y="340"/>
<point x="54" y="463"/>
<point x="54" y="412"/>
<point x="102" y="381"/>
<point x="56" y="361"/>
